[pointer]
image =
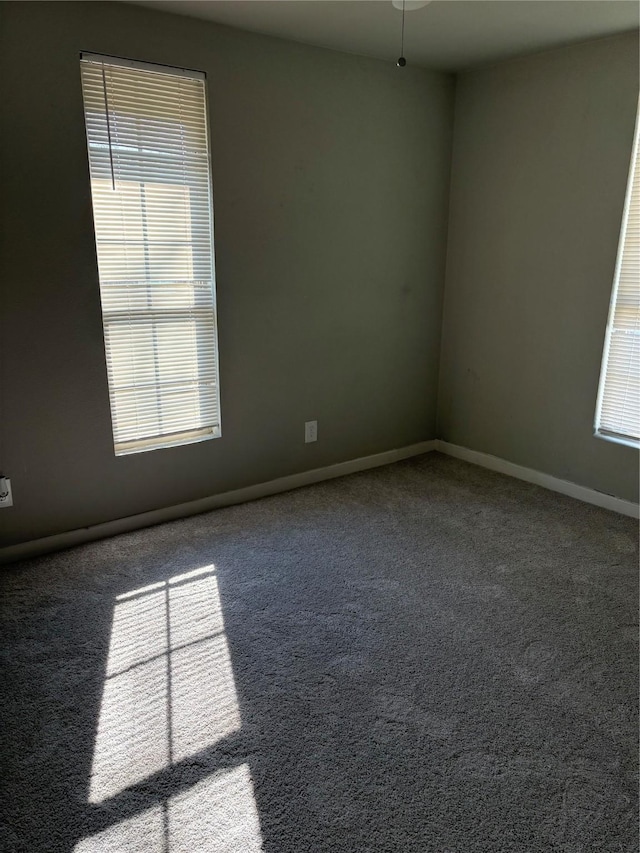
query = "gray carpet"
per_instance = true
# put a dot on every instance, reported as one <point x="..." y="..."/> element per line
<point x="423" y="657"/>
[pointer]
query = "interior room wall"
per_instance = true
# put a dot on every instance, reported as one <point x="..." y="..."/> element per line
<point x="331" y="179"/>
<point x="541" y="154"/>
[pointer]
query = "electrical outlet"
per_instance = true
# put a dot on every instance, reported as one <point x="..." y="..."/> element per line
<point x="6" y="498"/>
<point x="310" y="431"/>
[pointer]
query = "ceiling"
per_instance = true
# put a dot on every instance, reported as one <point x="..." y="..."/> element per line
<point x="450" y="35"/>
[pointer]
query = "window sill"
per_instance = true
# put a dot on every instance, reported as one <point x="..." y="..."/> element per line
<point x="162" y="443"/>
<point x="618" y="439"/>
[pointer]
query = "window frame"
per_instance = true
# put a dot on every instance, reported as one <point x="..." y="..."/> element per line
<point x="600" y="432"/>
<point x="195" y="433"/>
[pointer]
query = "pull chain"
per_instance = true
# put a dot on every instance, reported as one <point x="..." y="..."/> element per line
<point x="402" y="61"/>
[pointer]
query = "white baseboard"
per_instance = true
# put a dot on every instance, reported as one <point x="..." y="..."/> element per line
<point x="573" y="490"/>
<point x="36" y="547"/>
<point x="46" y="545"/>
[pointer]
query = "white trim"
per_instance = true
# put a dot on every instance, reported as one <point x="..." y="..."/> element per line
<point x="547" y="481"/>
<point x="36" y="547"/>
<point x="25" y="550"/>
<point x="618" y="439"/>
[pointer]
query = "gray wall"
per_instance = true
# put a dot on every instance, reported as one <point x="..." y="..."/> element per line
<point x="331" y="177"/>
<point x="541" y="154"/>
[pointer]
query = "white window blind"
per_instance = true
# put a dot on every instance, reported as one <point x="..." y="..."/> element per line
<point x="151" y="189"/>
<point x="618" y="409"/>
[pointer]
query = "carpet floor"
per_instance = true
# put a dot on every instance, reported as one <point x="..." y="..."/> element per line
<point x="426" y="657"/>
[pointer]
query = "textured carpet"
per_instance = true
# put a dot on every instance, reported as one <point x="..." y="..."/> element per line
<point x="423" y="657"/>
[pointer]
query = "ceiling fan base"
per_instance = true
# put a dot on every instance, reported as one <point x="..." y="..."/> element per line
<point x="409" y="5"/>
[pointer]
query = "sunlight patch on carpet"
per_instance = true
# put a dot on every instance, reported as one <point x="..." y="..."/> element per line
<point x="217" y="815"/>
<point x="144" y="831"/>
<point x="169" y="690"/>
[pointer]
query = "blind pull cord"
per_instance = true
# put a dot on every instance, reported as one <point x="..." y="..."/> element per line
<point x="106" y="107"/>
<point x="402" y="61"/>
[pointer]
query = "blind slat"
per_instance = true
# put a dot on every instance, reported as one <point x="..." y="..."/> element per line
<point x="151" y="189"/>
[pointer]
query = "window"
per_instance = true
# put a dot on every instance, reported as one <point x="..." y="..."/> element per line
<point x="151" y="190"/>
<point x="618" y="407"/>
